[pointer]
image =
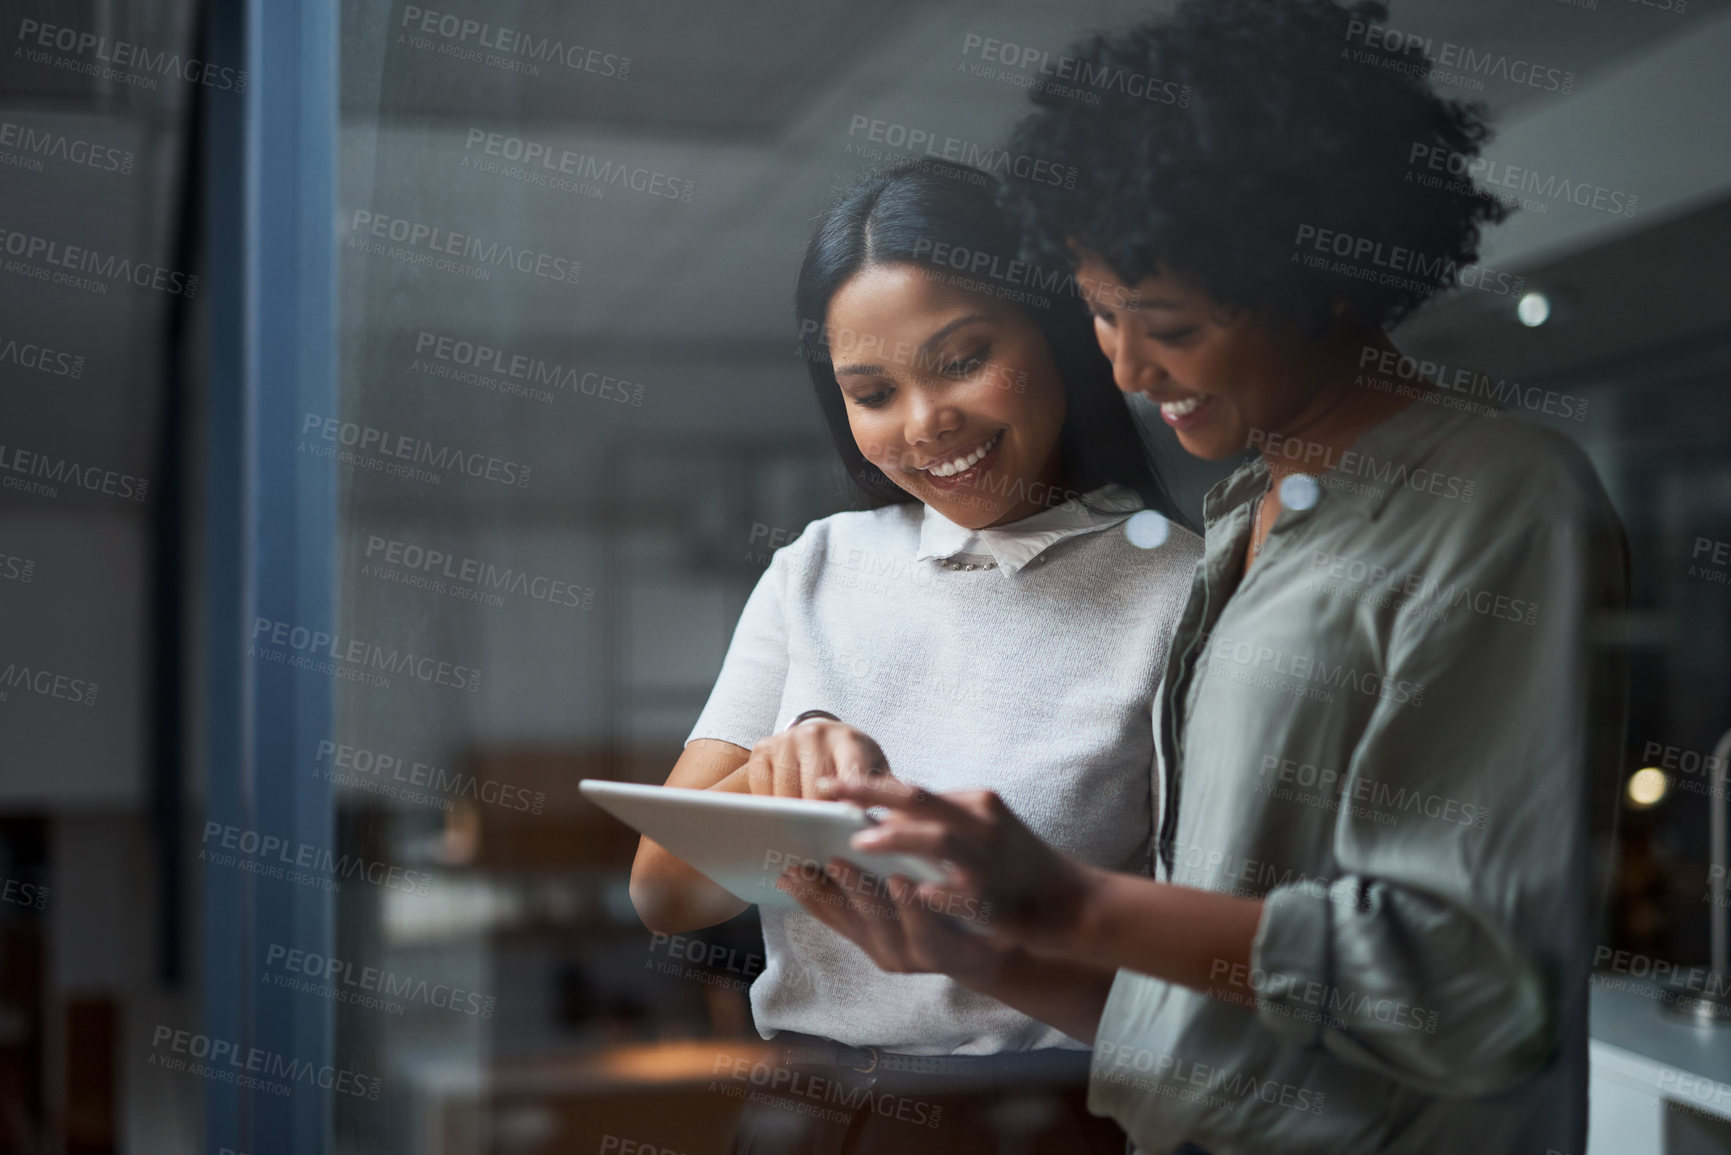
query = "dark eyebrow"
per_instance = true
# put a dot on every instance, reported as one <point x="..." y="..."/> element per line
<point x="1136" y="306"/>
<point x="925" y="347"/>
<point x="951" y="328"/>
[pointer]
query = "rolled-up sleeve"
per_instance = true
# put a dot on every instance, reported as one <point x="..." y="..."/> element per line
<point x="1440" y="950"/>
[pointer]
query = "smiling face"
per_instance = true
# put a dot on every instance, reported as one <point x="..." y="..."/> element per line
<point x="952" y="394"/>
<point x="1215" y="377"/>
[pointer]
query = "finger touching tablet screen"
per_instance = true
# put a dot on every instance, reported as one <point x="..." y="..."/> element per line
<point x="743" y="842"/>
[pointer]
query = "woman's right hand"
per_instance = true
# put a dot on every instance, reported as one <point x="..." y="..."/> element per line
<point x="903" y="935"/>
<point x="789" y="764"/>
<point x="1029" y="891"/>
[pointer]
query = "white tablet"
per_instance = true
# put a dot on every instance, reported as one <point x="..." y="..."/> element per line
<point x="743" y="842"/>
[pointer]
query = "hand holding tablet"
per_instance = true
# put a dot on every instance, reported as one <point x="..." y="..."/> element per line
<point x="743" y="842"/>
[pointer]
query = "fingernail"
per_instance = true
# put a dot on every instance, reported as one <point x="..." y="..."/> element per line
<point x="826" y="785"/>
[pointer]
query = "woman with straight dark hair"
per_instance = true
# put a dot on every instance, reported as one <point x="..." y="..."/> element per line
<point x="1391" y="717"/>
<point x="934" y="216"/>
<point x="995" y="616"/>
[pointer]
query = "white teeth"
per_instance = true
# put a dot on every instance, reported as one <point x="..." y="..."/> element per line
<point x="1180" y="407"/>
<point x="962" y="464"/>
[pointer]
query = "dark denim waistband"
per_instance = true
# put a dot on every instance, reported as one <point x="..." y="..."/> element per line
<point x="1046" y="1065"/>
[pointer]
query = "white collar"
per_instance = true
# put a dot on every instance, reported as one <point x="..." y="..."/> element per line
<point x="1014" y="545"/>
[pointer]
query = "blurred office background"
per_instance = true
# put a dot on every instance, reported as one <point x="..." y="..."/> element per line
<point x="597" y="370"/>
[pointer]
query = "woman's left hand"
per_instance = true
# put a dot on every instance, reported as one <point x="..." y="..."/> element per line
<point x="889" y="920"/>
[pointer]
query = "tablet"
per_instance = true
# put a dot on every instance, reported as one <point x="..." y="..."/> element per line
<point x="744" y="841"/>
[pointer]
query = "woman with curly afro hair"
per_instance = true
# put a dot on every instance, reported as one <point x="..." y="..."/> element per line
<point x="1390" y="705"/>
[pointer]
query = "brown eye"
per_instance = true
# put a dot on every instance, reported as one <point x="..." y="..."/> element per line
<point x="1175" y="335"/>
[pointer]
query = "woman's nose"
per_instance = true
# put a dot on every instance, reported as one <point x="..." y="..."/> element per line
<point x="930" y="420"/>
<point x="1133" y="368"/>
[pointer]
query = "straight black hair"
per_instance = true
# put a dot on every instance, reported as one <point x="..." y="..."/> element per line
<point x="944" y="217"/>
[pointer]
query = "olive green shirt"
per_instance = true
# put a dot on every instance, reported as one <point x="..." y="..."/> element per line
<point x="1400" y="730"/>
